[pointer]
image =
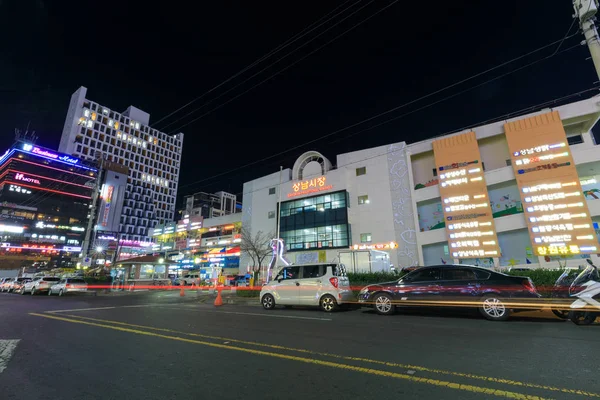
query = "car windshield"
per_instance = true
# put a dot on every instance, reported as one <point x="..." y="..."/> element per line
<point x="76" y="281"/>
<point x="51" y="279"/>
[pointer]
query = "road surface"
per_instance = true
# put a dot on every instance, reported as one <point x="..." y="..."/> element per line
<point x="159" y="346"/>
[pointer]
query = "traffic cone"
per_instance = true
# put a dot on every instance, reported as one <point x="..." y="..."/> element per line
<point x="182" y="291"/>
<point x="219" y="299"/>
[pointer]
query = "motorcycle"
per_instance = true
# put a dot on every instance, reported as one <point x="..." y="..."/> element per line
<point x="560" y="291"/>
<point x="586" y="288"/>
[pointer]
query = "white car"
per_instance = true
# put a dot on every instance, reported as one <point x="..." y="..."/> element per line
<point x="68" y="285"/>
<point x="323" y="285"/>
<point x="39" y="285"/>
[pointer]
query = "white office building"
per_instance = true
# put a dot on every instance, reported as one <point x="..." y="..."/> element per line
<point x="154" y="159"/>
<point x="393" y="200"/>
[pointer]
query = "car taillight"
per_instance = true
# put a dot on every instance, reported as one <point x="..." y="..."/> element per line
<point x="334" y="282"/>
<point x="68" y="285"/>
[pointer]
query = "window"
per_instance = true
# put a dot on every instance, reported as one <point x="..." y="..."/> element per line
<point x="435" y="172"/>
<point x="288" y="273"/>
<point x="508" y="162"/>
<point x="458" y="274"/>
<point x="312" y="271"/>
<point x="363" y="199"/>
<point x="271" y="214"/>
<point x="365" y="238"/>
<point x="271" y="191"/>
<point x="423" y="275"/>
<point x="361" y="171"/>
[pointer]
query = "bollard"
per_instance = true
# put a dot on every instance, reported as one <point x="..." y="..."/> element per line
<point x="219" y="299"/>
<point x="182" y="291"/>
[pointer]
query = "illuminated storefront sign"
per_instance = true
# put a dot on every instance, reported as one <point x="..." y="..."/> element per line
<point x="43" y="225"/>
<point x="469" y="221"/>
<point x="557" y="215"/>
<point x="376" y="246"/>
<point x="19" y="189"/>
<point x="107" y="201"/>
<point x="49" y="154"/>
<point x="309" y="186"/>
<point x="11" y="229"/>
<point x="21" y="177"/>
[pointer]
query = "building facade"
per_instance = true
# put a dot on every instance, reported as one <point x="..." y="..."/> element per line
<point x="517" y="192"/>
<point x="153" y="158"/>
<point x="209" y="205"/>
<point x="45" y="198"/>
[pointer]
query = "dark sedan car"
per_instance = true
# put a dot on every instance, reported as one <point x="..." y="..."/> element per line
<point x="493" y="293"/>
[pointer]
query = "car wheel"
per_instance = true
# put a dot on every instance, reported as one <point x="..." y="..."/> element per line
<point x="493" y="308"/>
<point x="582" y="317"/>
<point x="61" y="293"/>
<point x="562" y="314"/>
<point x="49" y="292"/>
<point x="33" y="291"/>
<point x="22" y="292"/>
<point x="383" y="304"/>
<point x="268" y="302"/>
<point x="328" y="303"/>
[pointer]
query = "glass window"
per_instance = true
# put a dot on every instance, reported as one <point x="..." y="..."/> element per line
<point x="363" y="199"/>
<point x="271" y="190"/>
<point x="312" y="271"/>
<point x="271" y="214"/>
<point x="288" y="273"/>
<point x="482" y="275"/>
<point x="361" y="171"/>
<point x="365" y="237"/>
<point x="458" y="274"/>
<point x="423" y="275"/>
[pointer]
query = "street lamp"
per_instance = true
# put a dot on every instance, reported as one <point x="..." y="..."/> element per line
<point x="161" y="260"/>
<point x="99" y="249"/>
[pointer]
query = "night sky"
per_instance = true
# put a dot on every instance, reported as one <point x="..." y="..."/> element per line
<point x="159" y="56"/>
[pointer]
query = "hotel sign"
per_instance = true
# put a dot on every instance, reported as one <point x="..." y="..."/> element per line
<point x="465" y="202"/>
<point x="556" y="211"/>
<point x="49" y="154"/>
<point x="24" y="178"/>
<point x="309" y="186"/>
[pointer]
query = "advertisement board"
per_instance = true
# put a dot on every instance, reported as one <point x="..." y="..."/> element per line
<point x="555" y="208"/>
<point x="111" y="202"/>
<point x="468" y="216"/>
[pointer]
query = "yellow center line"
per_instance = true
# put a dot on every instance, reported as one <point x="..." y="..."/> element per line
<point x="387" y="374"/>
<point x="348" y="358"/>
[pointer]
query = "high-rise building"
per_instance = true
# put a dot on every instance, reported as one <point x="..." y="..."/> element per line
<point x="210" y="205"/>
<point x="93" y="131"/>
<point x="45" y="199"/>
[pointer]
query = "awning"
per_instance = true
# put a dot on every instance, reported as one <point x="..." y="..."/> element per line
<point x="217" y="251"/>
<point x="233" y="250"/>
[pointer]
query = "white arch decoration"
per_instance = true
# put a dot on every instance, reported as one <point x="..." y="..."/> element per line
<point x="305" y="159"/>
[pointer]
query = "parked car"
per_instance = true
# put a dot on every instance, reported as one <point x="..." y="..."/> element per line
<point x="5" y="284"/>
<point x="189" y="279"/>
<point x="17" y="284"/>
<point x="495" y="294"/>
<point x="68" y="285"/>
<point x="323" y="285"/>
<point x="39" y="285"/>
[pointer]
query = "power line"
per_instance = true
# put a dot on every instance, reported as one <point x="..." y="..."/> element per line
<point x="276" y="50"/>
<point x="390" y="110"/>
<point x="275" y="62"/>
<point x="481" y="123"/>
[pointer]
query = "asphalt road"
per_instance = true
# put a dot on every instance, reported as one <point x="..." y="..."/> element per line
<point x="160" y="346"/>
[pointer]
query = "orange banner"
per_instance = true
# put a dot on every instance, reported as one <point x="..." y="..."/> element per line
<point x="556" y="211"/>
<point x="465" y="201"/>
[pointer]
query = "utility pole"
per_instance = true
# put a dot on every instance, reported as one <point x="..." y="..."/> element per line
<point x="278" y="210"/>
<point x="585" y="11"/>
<point x="90" y="226"/>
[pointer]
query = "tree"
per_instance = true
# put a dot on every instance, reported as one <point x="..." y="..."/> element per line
<point x="257" y="247"/>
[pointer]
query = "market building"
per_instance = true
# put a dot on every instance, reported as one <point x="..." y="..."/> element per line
<point x="44" y="204"/>
<point x="517" y="192"/>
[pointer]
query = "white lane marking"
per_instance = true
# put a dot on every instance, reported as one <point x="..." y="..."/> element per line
<point x="245" y="313"/>
<point x="7" y="349"/>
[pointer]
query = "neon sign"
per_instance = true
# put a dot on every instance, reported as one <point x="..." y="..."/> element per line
<point x="64" y="158"/>
<point x="107" y="202"/>
<point x="377" y="246"/>
<point x="18" y="189"/>
<point x="21" y="177"/>
<point x="310" y="186"/>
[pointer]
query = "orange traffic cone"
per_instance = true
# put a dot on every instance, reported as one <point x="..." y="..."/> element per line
<point x="182" y="291"/>
<point x="219" y="299"/>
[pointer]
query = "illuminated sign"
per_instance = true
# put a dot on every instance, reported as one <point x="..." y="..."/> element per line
<point x="71" y="248"/>
<point x="557" y="216"/>
<point x="21" y="177"/>
<point x="11" y="229"/>
<point x="43" y="225"/>
<point x="309" y="186"/>
<point x="377" y="246"/>
<point x="107" y="202"/>
<point x="49" y="154"/>
<point x="469" y="222"/>
<point x="18" y="189"/>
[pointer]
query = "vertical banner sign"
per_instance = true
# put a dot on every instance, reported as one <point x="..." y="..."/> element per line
<point x="557" y="214"/>
<point x="107" y="201"/>
<point x="465" y="201"/>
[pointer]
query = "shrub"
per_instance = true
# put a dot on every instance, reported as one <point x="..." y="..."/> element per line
<point x="252" y="292"/>
<point x="359" y="280"/>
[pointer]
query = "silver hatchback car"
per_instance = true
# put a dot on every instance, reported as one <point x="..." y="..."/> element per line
<point x="68" y="285"/>
<point x="323" y="285"/>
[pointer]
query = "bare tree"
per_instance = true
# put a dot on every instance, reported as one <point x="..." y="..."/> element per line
<point x="257" y="247"/>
